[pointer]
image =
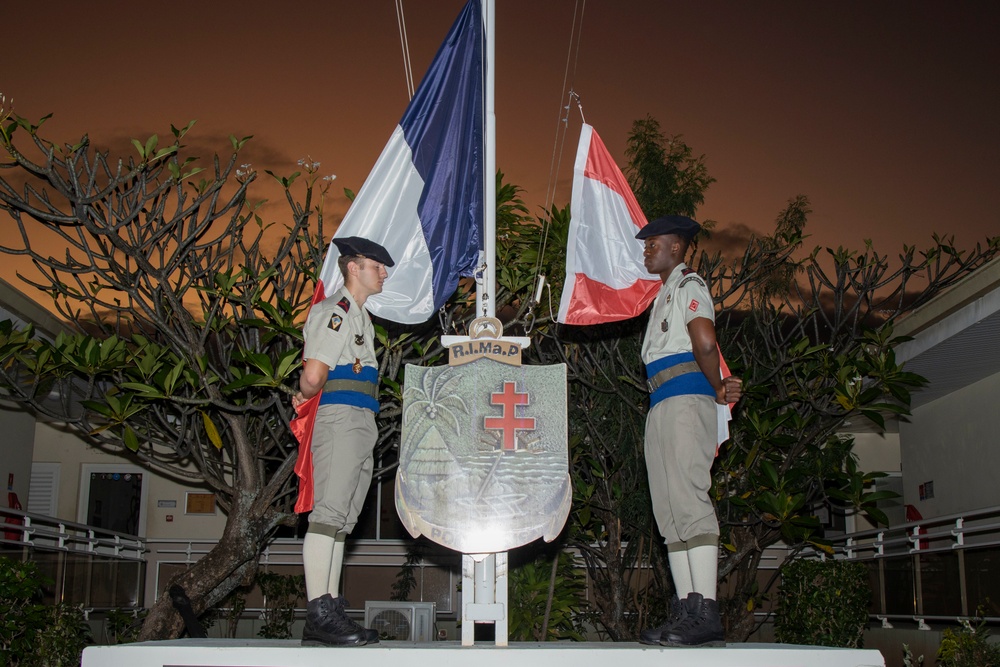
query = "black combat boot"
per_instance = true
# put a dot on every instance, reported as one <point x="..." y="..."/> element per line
<point x="370" y="634"/>
<point x="702" y="626"/>
<point x="328" y="625"/>
<point x="678" y="610"/>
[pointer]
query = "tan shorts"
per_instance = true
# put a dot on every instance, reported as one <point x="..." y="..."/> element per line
<point x="681" y="435"/>
<point x="343" y="439"/>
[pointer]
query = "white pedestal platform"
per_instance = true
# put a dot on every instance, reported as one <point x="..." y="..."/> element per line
<point x="289" y="653"/>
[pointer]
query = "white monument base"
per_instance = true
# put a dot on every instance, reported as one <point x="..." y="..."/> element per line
<point x="286" y="653"/>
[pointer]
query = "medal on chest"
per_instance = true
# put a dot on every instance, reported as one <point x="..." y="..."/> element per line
<point x="357" y="366"/>
<point x="359" y="339"/>
<point x="666" y="302"/>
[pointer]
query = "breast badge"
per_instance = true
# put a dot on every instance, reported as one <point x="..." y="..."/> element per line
<point x="359" y="339"/>
<point x="663" y="326"/>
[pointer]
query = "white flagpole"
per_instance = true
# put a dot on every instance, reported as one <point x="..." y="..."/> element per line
<point x="484" y="576"/>
<point x="486" y="286"/>
<point x="486" y="294"/>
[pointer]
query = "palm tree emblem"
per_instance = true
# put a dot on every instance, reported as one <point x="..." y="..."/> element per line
<point x="434" y="398"/>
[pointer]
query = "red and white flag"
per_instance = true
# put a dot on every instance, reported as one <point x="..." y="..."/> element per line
<point x="606" y="280"/>
<point x="605" y="277"/>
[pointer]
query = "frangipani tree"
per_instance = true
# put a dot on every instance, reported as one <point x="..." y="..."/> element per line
<point x="186" y="307"/>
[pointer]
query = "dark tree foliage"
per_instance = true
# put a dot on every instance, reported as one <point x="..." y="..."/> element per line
<point x="664" y="174"/>
<point x="186" y="308"/>
<point x="811" y="334"/>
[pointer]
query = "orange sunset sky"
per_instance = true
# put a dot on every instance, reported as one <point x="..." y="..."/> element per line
<point x="886" y="114"/>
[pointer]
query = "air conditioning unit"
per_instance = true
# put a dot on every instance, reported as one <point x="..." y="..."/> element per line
<point x="401" y="621"/>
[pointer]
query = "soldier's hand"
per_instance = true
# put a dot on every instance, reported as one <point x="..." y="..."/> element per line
<point x="732" y="389"/>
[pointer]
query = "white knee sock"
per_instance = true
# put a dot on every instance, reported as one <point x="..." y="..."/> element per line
<point x="317" y="554"/>
<point x="704" y="564"/>
<point x="680" y="570"/>
<point x="336" y="565"/>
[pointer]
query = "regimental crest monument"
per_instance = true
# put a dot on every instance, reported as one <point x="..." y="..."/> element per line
<point x="483" y="461"/>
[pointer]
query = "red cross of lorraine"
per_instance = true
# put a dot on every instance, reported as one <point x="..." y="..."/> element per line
<point x="509" y="423"/>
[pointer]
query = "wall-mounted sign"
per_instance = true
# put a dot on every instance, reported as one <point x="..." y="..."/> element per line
<point x="200" y="503"/>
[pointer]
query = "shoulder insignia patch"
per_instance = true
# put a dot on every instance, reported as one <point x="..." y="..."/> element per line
<point x="691" y="279"/>
<point x="345" y="304"/>
<point x="693" y="305"/>
<point x="335" y="322"/>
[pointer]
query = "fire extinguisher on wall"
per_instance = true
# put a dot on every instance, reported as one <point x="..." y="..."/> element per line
<point x="14" y="504"/>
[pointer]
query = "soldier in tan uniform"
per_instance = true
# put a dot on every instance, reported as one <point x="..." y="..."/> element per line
<point x="686" y="385"/>
<point x="340" y="365"/>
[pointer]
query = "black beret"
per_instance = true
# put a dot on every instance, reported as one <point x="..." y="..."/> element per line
<point x="681" y="225"/>
<point x="355" y="245"/>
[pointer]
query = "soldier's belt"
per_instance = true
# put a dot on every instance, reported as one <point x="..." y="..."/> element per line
<point x="668" y="374"/>
<point x="360" y="386"/>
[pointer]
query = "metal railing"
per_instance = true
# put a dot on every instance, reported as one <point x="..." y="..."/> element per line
<point x="941" y="569"/>
<point x="105" y="570"/>
<point x="436" y="576"/>
<point x="90" y="566"/>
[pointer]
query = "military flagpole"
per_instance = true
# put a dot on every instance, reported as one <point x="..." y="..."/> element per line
<point x="485" y="294"/>
<point x="484" y="576"/>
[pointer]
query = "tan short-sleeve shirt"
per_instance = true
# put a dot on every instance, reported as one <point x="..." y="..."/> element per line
<point x="683" y="297"/>
<point x="338" y="331"/>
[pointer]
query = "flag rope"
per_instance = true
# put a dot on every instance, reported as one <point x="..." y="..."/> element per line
<point x="405" y="44"/>
<point x="559" y="146"/>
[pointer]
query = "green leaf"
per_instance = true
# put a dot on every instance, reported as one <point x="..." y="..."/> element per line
<point x="239" y="143"/>
<point x="165" y="151"/>
<point x="877" y="515"/>
<point x="99" y="408"/>
<point x="771" y="473"/>
<point x="288" y="363"/>
<point x="248" y="380"/>
<point x="145" y="390"/>
<point x="130" y="439"/>
<point x="875" y="417"/>
<point x="180" y="133"/>
<point x="170" y="382"/>
<point x="879" y="495"/>
<point x="261" y="361"/>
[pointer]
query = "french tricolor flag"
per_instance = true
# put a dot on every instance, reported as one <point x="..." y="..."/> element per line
<point x="423" y="199"/>
<point x="606" y="280"/>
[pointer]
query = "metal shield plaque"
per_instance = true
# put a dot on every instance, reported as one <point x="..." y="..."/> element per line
<point x="483" y="462"/>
